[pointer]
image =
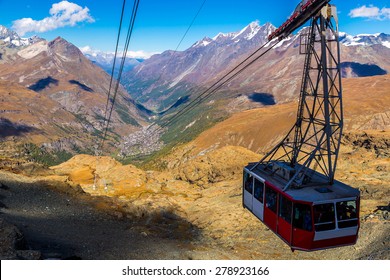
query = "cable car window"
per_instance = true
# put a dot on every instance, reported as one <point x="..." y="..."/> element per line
<point x="259" y="190"/>
<point x="346" y="214"/>
<point x="248" y="182"/>
<point x="302" y="217"/>
<point x="285" y="208"/>
<point x="324" y="217"/>
<point x="270" y="199"/>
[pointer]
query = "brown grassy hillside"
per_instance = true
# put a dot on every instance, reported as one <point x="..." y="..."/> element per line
<point x="366" y="107"/>
<point x="28" y="111"/>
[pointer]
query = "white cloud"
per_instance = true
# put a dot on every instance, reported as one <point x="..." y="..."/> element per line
<point x="86" y="49"/>
<point x="140" y="54"/>
<point x="130" y="54"/>
<point x="370" y="12"/>
<point x="386" y="13"/>
<point x="62" y="14"/>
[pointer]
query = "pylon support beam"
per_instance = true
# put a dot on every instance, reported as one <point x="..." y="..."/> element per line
<point x="313" y="142"/>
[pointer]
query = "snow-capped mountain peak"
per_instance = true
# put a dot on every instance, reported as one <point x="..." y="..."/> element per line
<point x="249" y="31"/>
<point x="12" y="38"/>
<point x="100" y="56"/>
<point x="202" y="43"/>
<point x="7" y="33"/>
<point x="223" y="36"/>
<point x="252" y="30"/>
<point x="105" y="59"/>
<point x="365" y="39"/>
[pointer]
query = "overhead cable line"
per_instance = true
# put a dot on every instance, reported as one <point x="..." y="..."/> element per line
<point x="127" y="43"/>
<point x="114" y="62"/>
<point x="182" y="38"/>
<point x="203" y="93"/>
<point x="100" y="146"/>
<point x="217" y="85"/>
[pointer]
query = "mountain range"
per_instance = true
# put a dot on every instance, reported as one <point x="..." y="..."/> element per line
<point x="365" y="39"/>
<point x="163" y="79"/>
<point x="73" y="84"/>
<point x="59" y="96"/>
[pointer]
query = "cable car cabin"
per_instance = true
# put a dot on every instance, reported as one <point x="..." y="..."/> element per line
<point x="309" y="218"/>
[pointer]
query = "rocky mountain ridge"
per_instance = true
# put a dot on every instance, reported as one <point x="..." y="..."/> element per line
<point x="59" y="72"/>
<point x="14" y="40"/>
<point x="365" y="39"/>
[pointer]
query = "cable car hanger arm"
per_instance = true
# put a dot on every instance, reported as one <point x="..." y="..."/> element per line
<point x="303" y="13"/>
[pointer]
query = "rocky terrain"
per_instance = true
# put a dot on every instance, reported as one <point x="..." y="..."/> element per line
<point x="189" y="201"/>
<point x="192" y="212"/>
<point x="55" y="220"/>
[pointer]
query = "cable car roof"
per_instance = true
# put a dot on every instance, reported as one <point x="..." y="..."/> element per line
<point x="320" y="192"/>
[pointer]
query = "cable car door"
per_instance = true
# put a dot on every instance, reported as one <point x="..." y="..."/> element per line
<point x="248" y="190"/>
<point x="303" y="234"/>
<point x="270" y="209"/>
<point x="258" y="198"/>
<point x="284" y="218"/>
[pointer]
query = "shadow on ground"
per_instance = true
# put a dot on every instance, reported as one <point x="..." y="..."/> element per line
<point x="361" y="70"/>
<point x="69" y="225"/>
<point x="81" y="86"/>
<point x="43" y="83"/>
<point x="9" y="128"/>
<point x="263" y="98"/>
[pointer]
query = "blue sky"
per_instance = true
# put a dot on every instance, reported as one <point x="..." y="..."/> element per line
<point x="160" y="24"/>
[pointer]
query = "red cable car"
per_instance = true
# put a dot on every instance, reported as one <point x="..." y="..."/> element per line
<point x="310" y="218"/>
<point x="307" y="208"/>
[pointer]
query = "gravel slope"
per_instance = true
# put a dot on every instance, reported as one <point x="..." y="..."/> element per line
<point x="62" y="226"/>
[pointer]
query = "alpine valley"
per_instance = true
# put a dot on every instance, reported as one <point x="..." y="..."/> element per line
<point x="55" y="98"/>
<point x="168" y="81"/>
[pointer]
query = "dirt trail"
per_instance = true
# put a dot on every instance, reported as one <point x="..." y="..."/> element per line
<point x="62" y="226"/>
